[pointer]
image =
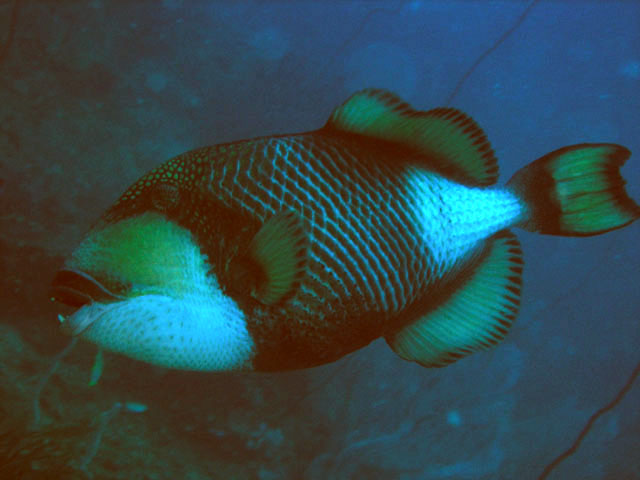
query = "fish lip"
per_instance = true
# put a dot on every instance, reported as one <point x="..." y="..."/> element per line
<point x="77" y="288"/>
<point x="83" y="318"/>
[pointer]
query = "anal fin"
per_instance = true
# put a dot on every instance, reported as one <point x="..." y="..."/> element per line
<point x="476" y="316"/>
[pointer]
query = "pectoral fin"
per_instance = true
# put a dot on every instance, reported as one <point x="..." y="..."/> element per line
<point x="280" y="250"/>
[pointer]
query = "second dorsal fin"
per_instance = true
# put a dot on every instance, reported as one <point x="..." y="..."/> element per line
<point x="444" y="139"/>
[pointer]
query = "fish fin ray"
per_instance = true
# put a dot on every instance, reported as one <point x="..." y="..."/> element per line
<point x="576" y="191"/>
<point x="475" y="317"/>
<point x="443" y="139"/>
<point x="97" y="368"/>
<point x="280" y="248"/>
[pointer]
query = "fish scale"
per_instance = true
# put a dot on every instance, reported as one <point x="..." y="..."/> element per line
<point x="358" y="254"/>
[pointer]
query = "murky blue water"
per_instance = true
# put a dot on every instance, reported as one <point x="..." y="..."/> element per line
<point x="93" y="94"/>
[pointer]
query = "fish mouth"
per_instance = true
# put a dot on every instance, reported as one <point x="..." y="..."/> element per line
<point x="83" y="318"/>
<point x="76" y="288"/>
<point x="86" y="294"/>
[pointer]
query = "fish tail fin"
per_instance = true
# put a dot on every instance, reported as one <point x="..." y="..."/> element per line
<point x="576" y="191"/>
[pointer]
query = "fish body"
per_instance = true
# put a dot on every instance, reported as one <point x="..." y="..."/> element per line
<point x="291" y="251"/>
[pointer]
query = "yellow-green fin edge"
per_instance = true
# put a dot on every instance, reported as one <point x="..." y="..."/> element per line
<point x="443" y="139"/>
<point x="475" y="317"/>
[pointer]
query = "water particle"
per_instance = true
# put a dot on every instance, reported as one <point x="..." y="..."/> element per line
<point x="454" y="418"/>
<point x="631" y="69"/>
<point x="156" y="81"/>
<point x="269" y="44"/>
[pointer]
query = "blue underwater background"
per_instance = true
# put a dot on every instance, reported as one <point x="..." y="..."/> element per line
<point x="95" y="93"/>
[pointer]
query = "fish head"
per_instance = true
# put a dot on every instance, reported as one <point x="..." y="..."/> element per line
<point x="142" y="286"/>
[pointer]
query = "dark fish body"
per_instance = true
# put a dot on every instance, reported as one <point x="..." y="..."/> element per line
<point x="287" y="252"/>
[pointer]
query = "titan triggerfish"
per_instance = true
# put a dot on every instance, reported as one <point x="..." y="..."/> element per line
<point x="289" y="251"/>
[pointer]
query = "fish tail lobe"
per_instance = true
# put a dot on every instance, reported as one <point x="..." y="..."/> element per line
<point x="576" y="191"/>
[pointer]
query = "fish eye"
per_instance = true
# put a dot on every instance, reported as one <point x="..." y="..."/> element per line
<point x="165" y="196"/>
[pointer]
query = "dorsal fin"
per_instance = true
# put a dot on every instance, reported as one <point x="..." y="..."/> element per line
<point x="444" y="139"/>
<point x="477" y="315"/>
<point x="280" y="250"/>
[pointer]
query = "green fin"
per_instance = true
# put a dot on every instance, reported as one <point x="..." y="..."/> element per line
<point x="576" y="191"/>
<point x="280" y="249"/>
<point x="444" y="139"/>
<point x="97" y="369"/>
<point x="476" y="316"/>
